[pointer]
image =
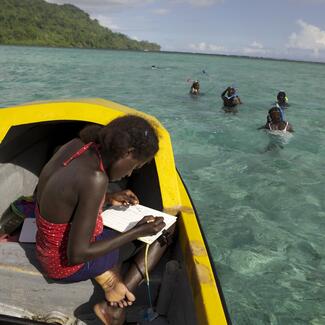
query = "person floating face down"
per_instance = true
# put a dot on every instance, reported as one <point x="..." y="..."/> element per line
<point x="195" y="88"/>
<point x="71" y="244"/>
<point x="276" y="121"/>
<point x="230" y="97"/>
<point x="282" y="100"/>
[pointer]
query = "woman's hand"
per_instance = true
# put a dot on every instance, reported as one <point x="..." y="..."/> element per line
<point x="150" y="225"/>
<point x="126" y="197"/>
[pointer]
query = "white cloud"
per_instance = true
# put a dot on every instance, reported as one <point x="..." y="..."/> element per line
<point x="97" y="8"/>
<point x="255" y="51"/>
<point x="161" y="11"/>
<point x="310" y="37"/>
<point x="204" y="47"/>
<point x="98" y="5"/>
<point x="101" y="3"/>
<point x="254" y="48"/>
<point x="308" y="2"/>
<point x="106" y="21"/>
<point x="131" y="3"/>
<point x="204" y="3"/>
<point x="200" y="3"/>
<point x="257" y="45"/>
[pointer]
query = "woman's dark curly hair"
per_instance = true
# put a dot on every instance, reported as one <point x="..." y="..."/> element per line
<point x="123" y="133"/>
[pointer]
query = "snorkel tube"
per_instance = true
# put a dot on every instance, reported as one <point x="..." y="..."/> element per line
<point x="281" y="112"/>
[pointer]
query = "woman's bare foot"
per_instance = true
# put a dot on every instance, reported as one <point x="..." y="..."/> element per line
<point x="116" y="293"/>
<point x="109" y="315"/>
<point x="119" y="293"/>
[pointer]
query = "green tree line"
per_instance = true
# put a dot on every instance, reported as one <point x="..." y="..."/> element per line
<point x="38" y="23"/>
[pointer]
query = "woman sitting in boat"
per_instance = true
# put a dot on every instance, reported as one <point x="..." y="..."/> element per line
<point x="282" y="100"/>
<point x="276" y="122"/>
<point x="71" y="244"/>
<point x="195" y="88"/>
<point x="230" y="97"/>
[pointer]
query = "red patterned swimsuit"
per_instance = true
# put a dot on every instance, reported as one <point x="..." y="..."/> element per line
<point x="52" y="238"/>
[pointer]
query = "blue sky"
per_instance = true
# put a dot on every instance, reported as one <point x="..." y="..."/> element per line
<point x="292" y="29"/>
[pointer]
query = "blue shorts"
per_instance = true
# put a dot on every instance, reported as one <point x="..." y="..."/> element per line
<point x="98" y="266"/>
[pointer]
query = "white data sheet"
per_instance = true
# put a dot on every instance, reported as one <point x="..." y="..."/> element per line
<point x="121" y="218"/>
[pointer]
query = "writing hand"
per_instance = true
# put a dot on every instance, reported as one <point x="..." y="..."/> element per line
<point x="126" y="197"/>
<point x="150" y="225"/>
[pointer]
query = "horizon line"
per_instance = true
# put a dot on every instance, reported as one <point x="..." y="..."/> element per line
<point x="174" y="52"/>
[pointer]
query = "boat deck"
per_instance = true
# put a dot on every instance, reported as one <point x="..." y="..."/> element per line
<point x="46" y="300"/>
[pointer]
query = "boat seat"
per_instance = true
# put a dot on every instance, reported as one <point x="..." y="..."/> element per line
<point x="21" y="281"/>
<point x="15" y="181"/>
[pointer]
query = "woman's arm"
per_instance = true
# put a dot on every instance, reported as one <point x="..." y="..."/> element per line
<point x="80" y="248"/>
<point x="224" y="93"/>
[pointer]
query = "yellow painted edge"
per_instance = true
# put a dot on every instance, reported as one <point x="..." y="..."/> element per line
<point x="207" y="299"/>
<point x="102" y="112"/>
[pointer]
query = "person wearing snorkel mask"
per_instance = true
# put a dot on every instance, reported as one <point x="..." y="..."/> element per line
<point x="230" y="97"/>
<point x="195" y="88"/>
<point x="282" y="100"/>
<point x="276" y="121"/>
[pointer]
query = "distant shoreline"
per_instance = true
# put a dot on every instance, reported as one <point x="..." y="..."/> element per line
<point x="168" y="52"/>
<point x="243" y="57"/>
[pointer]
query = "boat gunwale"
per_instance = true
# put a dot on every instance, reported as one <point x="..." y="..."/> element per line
<point x="208" y="314"/>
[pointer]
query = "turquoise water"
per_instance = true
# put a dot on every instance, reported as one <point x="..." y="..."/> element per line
<point x="263" y="212"/>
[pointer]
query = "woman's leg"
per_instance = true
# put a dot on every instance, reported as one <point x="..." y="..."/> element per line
<point x="135" y="274"/>
<point x="112" y="315"/>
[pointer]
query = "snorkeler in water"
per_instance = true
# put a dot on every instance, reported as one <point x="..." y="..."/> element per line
<point x="195" y="88"/>
<point x="282" y="100"/>
<point x="276" y="121"/>
<point x="281" y="111"/>
<point x="230" y="97"/>
<point x="279" y="130"/>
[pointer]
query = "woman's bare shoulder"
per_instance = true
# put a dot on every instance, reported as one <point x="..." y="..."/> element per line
<point x="68" y="147"/>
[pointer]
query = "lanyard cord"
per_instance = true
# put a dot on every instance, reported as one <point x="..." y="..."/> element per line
<point x="147" y="273"/>
<point x="150" y="314"/>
